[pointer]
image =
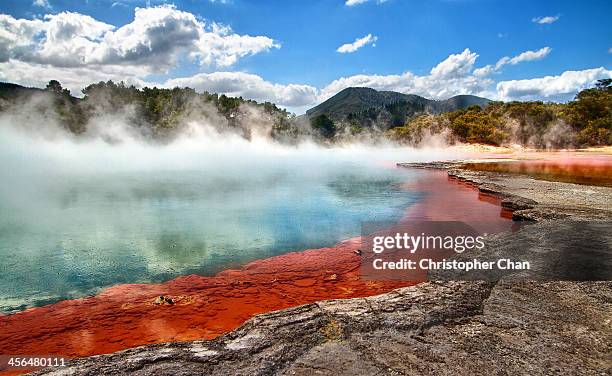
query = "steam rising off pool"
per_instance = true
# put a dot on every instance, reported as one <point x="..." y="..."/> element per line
<point x="76" y="216"/>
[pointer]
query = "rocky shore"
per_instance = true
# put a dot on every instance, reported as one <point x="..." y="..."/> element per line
<point x="196" y="307"/>
<point x="525" y="324"/>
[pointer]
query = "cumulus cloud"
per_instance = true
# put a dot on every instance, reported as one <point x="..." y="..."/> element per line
<point x="453" y="76"/>
<point x="450" y="77"/>
<point x="77" y="50"/>
<point x="531" y="55"/>
<point x="246" y="85"/>
<point x="559" y="88"/>
<point x="522" y="57"/>
<point x="42" y="4"/>
<point x="456" y="65"/>
<point x="155" y="40"/>
<point x="545" y="19"/>
<point x="350" y="3"/>
<point x="357" y="44"/>
<point x="74" y="79"/>
<point x="456" y="75"/>
<point x="16" y="35"/>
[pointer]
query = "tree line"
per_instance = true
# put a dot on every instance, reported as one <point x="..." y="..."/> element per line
<point x="582" y="122"/>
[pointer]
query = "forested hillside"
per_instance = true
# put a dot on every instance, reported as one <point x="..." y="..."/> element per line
<point x="157" y="113"/>
<point x="585" y="121"/>
<point x="360" y="109"/>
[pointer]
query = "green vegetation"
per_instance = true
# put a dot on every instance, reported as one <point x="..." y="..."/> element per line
<point x="323" y="126"/>
<point x="157" y="113"/>
<point x="356" y="114"/>
<point x="591" y="114"/>
<point x="585" y="121"/>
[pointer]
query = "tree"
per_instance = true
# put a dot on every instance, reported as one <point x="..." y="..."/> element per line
<point x="605" y="84"/>
<point x="56" y="87"/>
<point x="591" y="114"/>
<point x="323" y="125"/>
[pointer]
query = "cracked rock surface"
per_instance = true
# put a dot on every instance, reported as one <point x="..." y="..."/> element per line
<point x="459" y="328"/>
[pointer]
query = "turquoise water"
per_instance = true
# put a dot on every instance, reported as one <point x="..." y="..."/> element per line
<point x="67" y="235"/>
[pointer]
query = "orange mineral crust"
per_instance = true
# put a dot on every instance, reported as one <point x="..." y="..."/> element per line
<point x="591" y="171"/>
<point x="193" y="307"/>
<point x="196" y="307"/>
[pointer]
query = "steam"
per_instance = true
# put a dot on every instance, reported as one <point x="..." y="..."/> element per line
<point x="32" y="138"/>
<point x="551" y="135"/>
<point x="81" y="212"/>
<point x="44" y="164"/>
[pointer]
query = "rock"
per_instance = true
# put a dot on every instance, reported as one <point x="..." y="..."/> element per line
<point x="162" y="300"/>
<point x="462" y="328"/>
<point x="518" y="203"/>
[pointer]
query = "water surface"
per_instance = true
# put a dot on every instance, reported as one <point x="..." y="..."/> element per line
<point x="67" y="235"/>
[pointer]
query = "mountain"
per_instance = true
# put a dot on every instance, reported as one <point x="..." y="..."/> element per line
<point x="460" y="102"/>
<point x="11" y="92"/>
<point x="366" y="107"/>
<point x="357" y="99"/>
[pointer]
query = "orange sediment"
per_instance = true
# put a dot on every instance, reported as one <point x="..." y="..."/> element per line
<point x="197" y="307"/>
<point x="569" y="167"/>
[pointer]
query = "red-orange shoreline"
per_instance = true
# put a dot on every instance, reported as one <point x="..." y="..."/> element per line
<point x="126" y="315"/>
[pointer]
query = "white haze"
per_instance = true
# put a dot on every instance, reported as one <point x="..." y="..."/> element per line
<point x="31" y="142"/>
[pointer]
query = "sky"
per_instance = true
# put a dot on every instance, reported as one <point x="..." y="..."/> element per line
<point x="298" y="53"/>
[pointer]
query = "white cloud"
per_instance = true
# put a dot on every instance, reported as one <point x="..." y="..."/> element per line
<point x="78" y="50"/>
<point x="450" y="77"/>
<point x="223" y="48"/>
<point x="522" y="57"/>
<point x="154" y="40"/>
<point x="16" y="35"/>
<point x="75" y="78"/>
<point x="531" y="55"/>
<point x="455" y="65"/>
<point x="545" y="20"/>
<point x="251" y="86"/>
<point x="561" y="87"/>
<point x="357" y="44"/>
<point x="350" y="3"/>
<point x="455" y="75"/>
<point x="42" y="3"/>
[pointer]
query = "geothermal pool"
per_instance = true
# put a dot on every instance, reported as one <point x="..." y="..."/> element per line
<point x="67" y="235"/>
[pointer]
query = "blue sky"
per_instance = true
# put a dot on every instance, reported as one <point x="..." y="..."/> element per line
<point x="288" y="51"/>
